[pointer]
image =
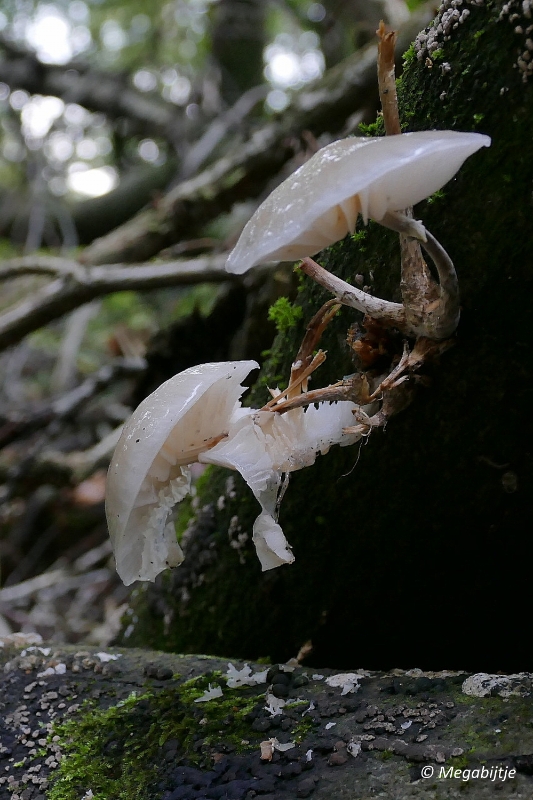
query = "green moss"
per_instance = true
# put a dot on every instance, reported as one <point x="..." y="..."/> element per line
<point x="409" y="55"/>
<point x="470" y="727"/>
<point x="104" y="752"/>
<point x="301" y="729"/>
<point x="458" y="762"/>
<point x="376" y="128"/>
<point x="438" y="195"/>
<point x="358" y="238"/>
<point x="284" y="314"/>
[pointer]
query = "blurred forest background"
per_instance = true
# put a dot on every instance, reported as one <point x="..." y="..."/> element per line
<point x="135" y="140"/>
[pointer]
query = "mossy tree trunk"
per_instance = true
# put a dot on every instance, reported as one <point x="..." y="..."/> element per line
<point x="415" y="548"/>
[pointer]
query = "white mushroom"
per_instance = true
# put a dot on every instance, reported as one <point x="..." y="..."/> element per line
<point x="375" y="177"/>
<point x="265" y="446"/>
<point x="148" y="474"/>
<point x="197" y="416"/>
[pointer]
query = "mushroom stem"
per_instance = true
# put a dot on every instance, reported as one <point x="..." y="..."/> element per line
<point x="442" y="322"/>
<point x="402" y="223"/>
<point x="431" y="309"/>
<point x="383" y="310"/>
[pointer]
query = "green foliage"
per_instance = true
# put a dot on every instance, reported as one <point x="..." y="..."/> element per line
<point x="201" y="298"/>
<point x="376" y="128"/>
<point x="284" y="314"/>
<point x="95" y="758"/>
<point x="358" y="238"/>
<point x="409" y="55"/>
<point x="438" y="195"/>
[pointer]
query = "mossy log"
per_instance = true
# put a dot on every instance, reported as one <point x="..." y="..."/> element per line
<point x="414" y="548"/>
<point x="78" y="723"/>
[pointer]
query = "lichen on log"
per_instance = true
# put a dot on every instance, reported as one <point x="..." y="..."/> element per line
<point x="116" y="724"/>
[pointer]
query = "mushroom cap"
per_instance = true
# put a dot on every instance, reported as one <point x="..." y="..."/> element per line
<point x="263" y="445"/>
<point x="318" y="205"/>
<point x="168" y="430"/>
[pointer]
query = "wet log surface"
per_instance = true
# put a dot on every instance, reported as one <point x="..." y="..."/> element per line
<point x="83" y="723"/>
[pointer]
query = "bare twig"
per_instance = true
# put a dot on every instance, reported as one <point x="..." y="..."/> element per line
<point x="65" y="369"/>
<point x="355" y="389"/>
<point x="431" y="309"/>
<point x="61" y="469"/>
<point x="387" y="81"/>
<point x="323" y="106"/>
<point x="318" y="359"/>
<point x="39" y="265"/>
<point x="76" y="284"/>
<point x="11" y="594"/>
<point x="76" y="82"/>
<point x="16" y="426"/>
<point x="202" y="149"/>
<point x="304" y="357"/>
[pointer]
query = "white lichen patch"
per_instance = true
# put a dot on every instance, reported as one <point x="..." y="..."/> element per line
<point x="211" y="693"/>
<point x="45" y="651"/>
<point x="105" y="657"/>
<point x="20" y="639"/>
<point x="450" y="15"/>
<point x="244" y="677"/>
<point x="483" y="685"/>
<point x="416" y="672"/>
<point x="347" y="681"/>
<point x="58" y="669"/>
<point x="519" y="13"/>
<point x="238" y="538"/>
<point x="354" y="748"/>
<point x="267" y="748"/>
<point x="274" y="705"/>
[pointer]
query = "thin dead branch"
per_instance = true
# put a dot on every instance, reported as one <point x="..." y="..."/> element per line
<point x="387" y="80"/>
<point x="106" y="92"/>
<point x="16" y="425"/>
<point x="323" y="106"/>
<point x="76" y="284"/>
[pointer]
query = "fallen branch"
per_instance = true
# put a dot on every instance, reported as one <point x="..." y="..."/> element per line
<point x="323" y="106"/>
<point x="56" y="468"/>
<point x="76" y="284"/>
<point x="16" y="425"/>
<point x="106" y="92"/>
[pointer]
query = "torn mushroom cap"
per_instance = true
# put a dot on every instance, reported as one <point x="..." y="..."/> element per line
<point x="263" y="446"/>
<point x="146" y="478"/>
<point x="319" y="204"/>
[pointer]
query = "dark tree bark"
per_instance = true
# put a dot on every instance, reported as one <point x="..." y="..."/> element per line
<point x="414" y="548"/>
